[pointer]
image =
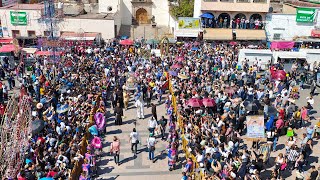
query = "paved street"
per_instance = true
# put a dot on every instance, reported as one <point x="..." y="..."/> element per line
<point x="140" y="167"/>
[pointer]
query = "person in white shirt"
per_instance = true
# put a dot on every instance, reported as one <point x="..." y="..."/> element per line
<point x="134" y="139"/>
<point x="151" y="142"/>
<point x="152" y="125"/>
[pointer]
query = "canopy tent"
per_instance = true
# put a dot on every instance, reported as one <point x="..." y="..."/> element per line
<point x="71" y="36"/>
<point x="8" y="48"/>
<point x="6" y="40"/>
<point x="29" y="50"/>
<point x="281" y="45"/>
<point x="290" y="55"/>
<point x="47" y="53"/>
<point x="315" y="33"/>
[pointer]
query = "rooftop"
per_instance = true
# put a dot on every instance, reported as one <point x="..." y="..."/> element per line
<point x="24" y="6"/>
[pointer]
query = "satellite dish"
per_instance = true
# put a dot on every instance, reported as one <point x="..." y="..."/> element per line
<point x="270" y="10"/>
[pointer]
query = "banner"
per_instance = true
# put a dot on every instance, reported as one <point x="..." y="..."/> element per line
<point x="188" y="23"/>
<point x="305" y="15"/>
<point x="255" y="127"/>
<point x="18" y="18"/>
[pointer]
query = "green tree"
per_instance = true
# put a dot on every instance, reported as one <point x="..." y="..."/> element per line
<point x="185" y="8"/>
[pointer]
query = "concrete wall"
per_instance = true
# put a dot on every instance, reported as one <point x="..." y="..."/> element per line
<point x="172" y="24"/>
<point x="126" y="12"/>
<point x="286" y="9"/>
<point x="160" y="10"/>
<point x="286" y="25"/>
<point x="32" y="24"/>
<point x="105" y="27"/>
<point x="197" y="8"/>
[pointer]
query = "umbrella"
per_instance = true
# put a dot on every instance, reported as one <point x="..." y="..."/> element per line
<point x="110" y="49"/>
<point x="180" y="58"/>
<point x="63" y="108"/>
<point x="37" y="126"/>
<point x="279" y="75"/>
<point x="176" y="66"/>
<point x="271" y="111"/>
<point x="194" y="49"/>
<point x="233" y="43"/>
<point x="208" y="102"/>
<point x="194" y="102"/>
<point x="173" y="73"/>
<point x="207" y="15"/>
<point x="46" y="178"/>
<point x="252" y="107"/>
<point x="182" y="76"/>
<point x="124" y="37"/>
<point x="127" y="42"/>
<point x="229" y="90"/>
<point x="152" y="41"/>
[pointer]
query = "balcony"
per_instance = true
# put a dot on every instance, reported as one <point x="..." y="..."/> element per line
<point x="249" y="6"/>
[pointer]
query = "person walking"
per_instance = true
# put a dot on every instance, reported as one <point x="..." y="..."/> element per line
<point x="140" y="105"/>
<point x="115" y="150"/>
<point x="134" y="139"/>
<point x="118" y="114"/>
<point x="154" y="111"/>
<point x="152" y="125"/>
<point x="151" y="142"/>
<point x="163" y="124"/>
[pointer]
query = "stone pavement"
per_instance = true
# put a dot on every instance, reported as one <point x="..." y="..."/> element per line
<point x="135" y="167"/>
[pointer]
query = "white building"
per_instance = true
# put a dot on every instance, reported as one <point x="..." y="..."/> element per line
<point x="104" y="17"/>
<point x="284" y="26"/>
<point x="108" y="25"/>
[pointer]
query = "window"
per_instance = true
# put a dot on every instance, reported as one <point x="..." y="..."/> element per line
<point x="31" y="34"/>
<point x="46" y="33"/>
<point x="276" y="36"/>
<point x="15" y="33"/>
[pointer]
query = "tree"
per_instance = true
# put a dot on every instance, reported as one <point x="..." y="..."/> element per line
<point x="185" y="9"/>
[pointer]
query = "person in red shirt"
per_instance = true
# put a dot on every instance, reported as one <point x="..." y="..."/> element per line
<point x="21" y="176"/>
<point x="52" y="172"/>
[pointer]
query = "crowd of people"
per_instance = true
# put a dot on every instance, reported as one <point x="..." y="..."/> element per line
<point x="88" y="78"/>
<point x="235" y="23"/>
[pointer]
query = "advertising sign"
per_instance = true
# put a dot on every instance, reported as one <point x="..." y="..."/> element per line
<point x="188" y="23"/>
<point x="305" y="15"/>
<point x="18" y="18"/>
<point x="255" y="127"/>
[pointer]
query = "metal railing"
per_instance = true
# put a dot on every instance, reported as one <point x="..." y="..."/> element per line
<point x="243" y="1"/>
<point x="259" y="1"/>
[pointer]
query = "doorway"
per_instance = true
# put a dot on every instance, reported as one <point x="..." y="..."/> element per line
<point x="142" y="16"/>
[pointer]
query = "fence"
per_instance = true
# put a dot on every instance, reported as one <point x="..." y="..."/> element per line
<point x="197" y="175"/>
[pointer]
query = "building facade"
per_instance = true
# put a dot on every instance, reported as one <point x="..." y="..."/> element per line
<point x="33" y="24"/>
<point x="219" y="17"/>
<point x="284" y="27"/>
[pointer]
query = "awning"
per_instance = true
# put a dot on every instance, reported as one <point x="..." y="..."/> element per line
<point x="217" y="34"/>
<point x="315" y="33"/>
<point x="5" y="40"/>
<point x="29" y="50"/>
<point x="8" y="48"/>
<point x="246" y="34"/>
<point x="187" y="32"/>
<point x="47" y="53"/>
<point x="70" y="36"/>
<point x="292" y="55"/>
<point x="282" y="45"/>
